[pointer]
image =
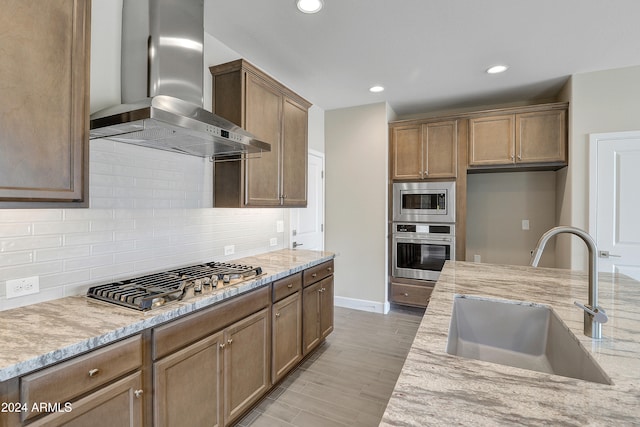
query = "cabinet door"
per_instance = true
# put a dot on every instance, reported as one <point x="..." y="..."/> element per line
<point x="44" y="108"/>
<point x="407" y="155"/>
<point x="188" y="385"/>
<point x="118" y="404"/>
<point x="287" y="335"/>
<point x="441" y="148"/>
<point x="541" y="137"/>
<point x="491" y="140"/>
<point x="326" y="307"/>
<point x="262" y="118"/>
<point x="294" y="154"/>
<point x="311" y="317"/>
<point x="247" y="364"/>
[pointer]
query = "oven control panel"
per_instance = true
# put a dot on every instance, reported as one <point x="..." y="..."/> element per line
<point x="424" y="228"/>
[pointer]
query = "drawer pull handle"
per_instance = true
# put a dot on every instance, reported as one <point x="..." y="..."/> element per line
<point x="314" y="275"/>
<point x="406" y="294"/>
<point x="290" y="285"/>
<point x="94" y="372"/>
<point x="329" y="268"/>
<point x="138" y="393"/>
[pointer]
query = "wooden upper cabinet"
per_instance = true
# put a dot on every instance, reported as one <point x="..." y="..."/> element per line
<point x="263" y="115"/>
<point x="44" y="106"/>
<point x="491" y="140"/>
<point x="441" y="147"/>
<point x="406" y="143"/>
<point x="423" y="151"/>
<point x="526" y="138"/>
<point x="253" y="100"/>
<point x="541" y="137"/>
<point x="294" y="154"/>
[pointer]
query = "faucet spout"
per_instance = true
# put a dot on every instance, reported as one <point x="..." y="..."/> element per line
<point x="594" y="316"/>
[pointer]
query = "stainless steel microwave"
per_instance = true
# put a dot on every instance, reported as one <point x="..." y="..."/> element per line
<point x="424" y="201"/>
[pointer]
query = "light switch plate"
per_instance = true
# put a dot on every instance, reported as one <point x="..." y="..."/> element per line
<point x="273" y="241"/>
<point x="525" y="224"/>
<point x="279" y="226"/>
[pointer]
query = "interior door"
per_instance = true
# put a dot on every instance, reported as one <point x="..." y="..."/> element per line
<point x="614" y="201"/>
<point x="307" y="224"/>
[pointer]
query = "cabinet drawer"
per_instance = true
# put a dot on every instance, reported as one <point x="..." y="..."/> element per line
<point x="410" y="294"/>
<point x="287" y="286"/>
<point x="63" y="382"/>
<point x="319" y="272"/>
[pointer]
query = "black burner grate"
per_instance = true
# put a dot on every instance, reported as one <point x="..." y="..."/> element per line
<point x="145" y="292"/>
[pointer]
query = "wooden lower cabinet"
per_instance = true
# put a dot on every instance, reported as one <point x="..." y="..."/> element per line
<point x="213" y="381"/>
<point x="412" y="294"/>
<point x="247" y="363"/>
<point x="188" y="385"/>
<point x="317" y="313"/>
<point x="287" y="335"/>
<point x="116" y="405"/>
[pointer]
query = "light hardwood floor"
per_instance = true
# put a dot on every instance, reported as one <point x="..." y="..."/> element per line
<point x="349" y="379"/>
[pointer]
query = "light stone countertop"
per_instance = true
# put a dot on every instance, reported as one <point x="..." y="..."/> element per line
<point x="39" y="335"/>
<point x="436" y="388"/>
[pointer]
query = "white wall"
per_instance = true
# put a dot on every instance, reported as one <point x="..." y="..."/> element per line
<point x="356" y="148"/>
<point x="602" y="101"/>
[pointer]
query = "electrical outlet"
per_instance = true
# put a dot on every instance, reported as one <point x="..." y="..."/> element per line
<point x="273" y="241"/>
<point x="24" y="286"/>
<point x="525" y="224"/>
<point x="229" y="250"/>
<point x="279" y="226"/>
<point x="477" y="258"/>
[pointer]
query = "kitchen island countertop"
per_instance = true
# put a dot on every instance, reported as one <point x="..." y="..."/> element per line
<point x="39" y="335"/>
<point x="436" y="388"/>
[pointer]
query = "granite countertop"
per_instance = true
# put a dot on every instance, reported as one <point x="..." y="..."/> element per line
<point x="436" y="388"/>
<point x="38" y="335"/>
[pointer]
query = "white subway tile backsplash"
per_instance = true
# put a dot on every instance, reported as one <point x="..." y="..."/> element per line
<point x="149" y="210"/>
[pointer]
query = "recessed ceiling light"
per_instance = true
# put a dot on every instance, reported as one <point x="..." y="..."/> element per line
<point x="496" y="69"/>
<point x="376" y="89"/>
<point x="310" y="6"/>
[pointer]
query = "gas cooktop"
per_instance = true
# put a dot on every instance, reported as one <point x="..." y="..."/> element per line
<point x="154" y="290"/>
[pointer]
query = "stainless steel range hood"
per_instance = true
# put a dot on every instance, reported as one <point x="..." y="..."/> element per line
<point x="161" y="77"/>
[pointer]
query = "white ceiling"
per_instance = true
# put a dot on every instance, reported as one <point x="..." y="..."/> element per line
<point x="429" y="54"/>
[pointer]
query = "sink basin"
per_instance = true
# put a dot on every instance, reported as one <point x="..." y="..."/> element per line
<point x="520" y="334"/>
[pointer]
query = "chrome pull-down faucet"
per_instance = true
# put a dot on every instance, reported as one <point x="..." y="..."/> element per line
<point x="594" y="316"/>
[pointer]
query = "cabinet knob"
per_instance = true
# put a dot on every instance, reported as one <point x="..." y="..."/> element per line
<point x="277" y="314"/>
<point x="221" y="345"/>
<point x="329" y="268"/>
<point x="138" y="393"/>
<point x="290" y="285"/>
<point x="314" y="275"/>
<point x="94" y="372"/>
<point x="229" y="341"/>
<point x="406" y="294"/>
<point x="426" y="172"/>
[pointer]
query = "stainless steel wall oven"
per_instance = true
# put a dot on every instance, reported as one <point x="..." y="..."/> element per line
<point x="420" y="250"/>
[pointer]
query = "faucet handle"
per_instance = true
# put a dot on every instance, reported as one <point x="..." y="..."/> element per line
<point x="599" y="315"/>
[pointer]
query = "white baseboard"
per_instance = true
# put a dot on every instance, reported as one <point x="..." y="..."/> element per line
<point x="361" y="304"/>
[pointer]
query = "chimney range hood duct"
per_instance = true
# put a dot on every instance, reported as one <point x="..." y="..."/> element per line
<point x="161" y="77"/>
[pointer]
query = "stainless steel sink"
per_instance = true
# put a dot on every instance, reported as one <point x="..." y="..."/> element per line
<point x="521" y="334"/>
